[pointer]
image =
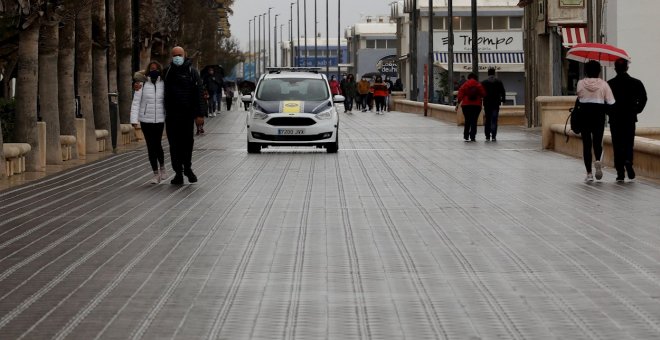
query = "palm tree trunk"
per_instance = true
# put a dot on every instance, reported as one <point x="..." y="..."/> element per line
<point x="48" y="94"/>
<point x="65" y="77"/>
<point x="84" y="75"/>
<point x="2" y="156"/>
<point x="26" y="95"/>
<point x="100" y="68"/>
<point x="112" y="47"/>
<point x="124" y="55"/>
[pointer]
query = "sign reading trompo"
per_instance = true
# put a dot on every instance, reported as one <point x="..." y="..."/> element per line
<point x="487" y="41"/>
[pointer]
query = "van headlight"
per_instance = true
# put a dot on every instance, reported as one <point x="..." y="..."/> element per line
<point x="325" y="114"/>
<point x="259" y="115"/>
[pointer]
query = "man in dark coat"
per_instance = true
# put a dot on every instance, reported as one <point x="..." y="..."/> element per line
<point x="213" y="84"/>
<point x="184" y="106"/>
<point x="630" y="96"/>
<point x="495" y="95"/>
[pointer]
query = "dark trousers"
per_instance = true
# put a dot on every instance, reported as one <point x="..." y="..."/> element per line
<point x="380" y="103"/>
<point x="471" y="113"/>
<point x="592" y="137"/>
<point x="229" y="101"/>
<point x="180" y="134"/>
<point x="153" y="134"/>
<point x="348" y="103"/>
<point x="491" y="114"/>
<point x="623" y="141"/>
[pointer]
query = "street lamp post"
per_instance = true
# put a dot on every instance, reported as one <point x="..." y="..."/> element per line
<point x="316" y="36"/>
<point x="269" y="53"/>
<point x="338" y="38"/>
<point x="259" y="49"/>
<point x="430" y="56"/>
<point x="264" y="40"/>
<point x="249" y="47"/>
<point x="298" y="23"/>
<point x="275" y="38"/>
<point x="291" y="32"/>
<point x="327" y="39"/>
<point x="450" y="52"/>
<point x="305" y="29"/>
<point x="475" y="42"/>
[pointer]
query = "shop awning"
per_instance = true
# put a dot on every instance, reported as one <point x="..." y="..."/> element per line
<point x="572" y="36"/>
<point x="500" y="61"/>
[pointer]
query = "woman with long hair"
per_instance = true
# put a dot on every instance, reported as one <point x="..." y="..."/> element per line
<point x="148" y="110"/>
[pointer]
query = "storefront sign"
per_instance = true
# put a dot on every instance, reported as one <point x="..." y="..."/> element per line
<point x="388" y="66"/>
<point x="487" y="41"/>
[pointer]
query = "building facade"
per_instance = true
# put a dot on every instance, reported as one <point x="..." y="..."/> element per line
<point x="325" y="54"/>
<point x="372" y="46"/>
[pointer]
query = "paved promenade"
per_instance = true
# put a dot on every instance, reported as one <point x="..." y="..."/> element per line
<point x="406" y="233"/>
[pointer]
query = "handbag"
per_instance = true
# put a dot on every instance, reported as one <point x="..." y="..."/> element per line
<point x="576" y="117"/>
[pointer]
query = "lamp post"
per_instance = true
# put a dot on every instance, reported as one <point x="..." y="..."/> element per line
<point x="275" y="39"/>
<point x="269" y="52"/>
<point x="338" y="39"/>
<point x="327" y="39"/>
<point x="249" y="47"/>
<point x="298" y="23"/>
<point x="259" y="49"/>
<point x="430" y="57"/>
<point x="305" y="29"/>
<point x="450" y="51"/>
<point x="475" y="43"/>
<point x="264" y="40"/>
<point x="291" y="32"/>
<point x="316" y="36"/>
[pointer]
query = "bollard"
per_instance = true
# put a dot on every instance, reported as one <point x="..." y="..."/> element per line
<point x="114" y="119"/>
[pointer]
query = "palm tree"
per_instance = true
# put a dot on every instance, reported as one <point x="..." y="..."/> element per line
<point x="26" y="82"/>
<point x="124" y="44"/>
<point x="100" y="67"/>
<point x="48" y="86"/>
<point x="84" y="75"/>
<point x="65" y="73"/>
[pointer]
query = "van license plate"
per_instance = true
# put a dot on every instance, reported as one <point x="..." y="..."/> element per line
<point x="288" y="132"/>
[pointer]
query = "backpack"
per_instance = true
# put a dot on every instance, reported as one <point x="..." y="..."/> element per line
<point x="472" y="93"/>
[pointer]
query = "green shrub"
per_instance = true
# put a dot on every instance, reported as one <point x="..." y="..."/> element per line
<point x="8" y="118"/>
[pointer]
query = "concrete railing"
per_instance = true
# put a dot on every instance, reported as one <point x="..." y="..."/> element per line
<point x="509" y="115"/>
<point x="554" y="112"/>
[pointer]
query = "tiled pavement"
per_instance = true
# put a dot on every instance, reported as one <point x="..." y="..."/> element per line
<point x="406" y="233"/>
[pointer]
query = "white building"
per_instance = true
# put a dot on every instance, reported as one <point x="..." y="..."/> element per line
<point x="631" y="26"/>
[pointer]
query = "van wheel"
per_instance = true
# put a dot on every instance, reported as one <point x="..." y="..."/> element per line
<point x="332" y="147"/>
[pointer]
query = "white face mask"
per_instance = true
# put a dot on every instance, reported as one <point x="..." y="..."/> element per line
<point x="178" y="60"/>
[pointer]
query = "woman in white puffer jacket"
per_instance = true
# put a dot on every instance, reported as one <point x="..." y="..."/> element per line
<point x="148" y="109"/>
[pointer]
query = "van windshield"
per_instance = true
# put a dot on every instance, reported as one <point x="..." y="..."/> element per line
<point x="302" y="89"/>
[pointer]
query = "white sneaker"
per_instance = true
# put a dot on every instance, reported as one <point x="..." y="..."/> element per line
<point x="599" y="170"/>
<point x="156" y="178"/>
<point x="163" y="174"/>
<point x="590" y="178"/>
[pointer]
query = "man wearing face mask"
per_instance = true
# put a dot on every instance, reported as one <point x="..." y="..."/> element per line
<point x="184" y="106"/>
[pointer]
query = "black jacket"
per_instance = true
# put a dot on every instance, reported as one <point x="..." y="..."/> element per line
<point x="184" y="92"/>
<point x="630" y="96"/>
<point x="213" y="83"/>
<point x="495" y="93"/>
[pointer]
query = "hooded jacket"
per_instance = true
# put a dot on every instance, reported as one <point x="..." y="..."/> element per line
<point x="463" y="97"/>
<point x="184" y="92"/>
<point x="594" y="91"/>
<point x="149" y="103"/>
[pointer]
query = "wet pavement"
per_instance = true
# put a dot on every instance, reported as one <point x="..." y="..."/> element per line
<point x="406" y="233"/>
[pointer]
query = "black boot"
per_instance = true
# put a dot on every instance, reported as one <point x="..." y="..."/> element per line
<point x="178" y="179"/>
<point x="191" y="175"/>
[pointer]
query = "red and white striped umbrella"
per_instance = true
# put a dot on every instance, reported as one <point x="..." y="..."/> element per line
<point x="603" y="53"/>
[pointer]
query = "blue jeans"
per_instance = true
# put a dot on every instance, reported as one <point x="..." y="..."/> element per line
<point x="491" y="114"/>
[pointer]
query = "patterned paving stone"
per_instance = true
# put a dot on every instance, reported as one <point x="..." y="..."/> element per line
<point x="406" y="233"/>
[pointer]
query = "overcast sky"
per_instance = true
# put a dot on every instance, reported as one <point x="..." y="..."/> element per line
<point x="351" y="13"/>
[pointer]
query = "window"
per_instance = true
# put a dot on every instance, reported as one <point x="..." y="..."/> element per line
<point x="456" y="22"/>
<point x="293" y="89"/>
<point x="466" y="23"/>
<point x="392" y="43"/>
<point x="484" y="23"/>
<point x="515" y="22"/>
<point x="439" y="23"/>
<point x="500" y="23"/>
<point x="381" y="44"/>
<point x="371" y="43"/>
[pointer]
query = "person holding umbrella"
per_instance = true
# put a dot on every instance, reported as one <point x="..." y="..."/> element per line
<point x="596" y="98"/>
<point x="631" y="98"/>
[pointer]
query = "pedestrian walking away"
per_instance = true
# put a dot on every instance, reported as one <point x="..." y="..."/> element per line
<point x="184" y="107"/>
<point x="495" y="95"/>
<point x="470" y="97"/>
<point x="148" y="110"/>
<point x="380" y="94"/>
<point x="596" y="98"/>
<point x="213" y="84"/>
<point x="229" y="95"/>
<point x="334" y="86"/>
<point x="390" y="88"/>
<point x="630" y="96"/>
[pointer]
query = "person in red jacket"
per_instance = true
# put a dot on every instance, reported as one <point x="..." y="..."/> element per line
<point x="380" y="94"/>
<point x="335" y="89"/>
<point x="470" y="98"/>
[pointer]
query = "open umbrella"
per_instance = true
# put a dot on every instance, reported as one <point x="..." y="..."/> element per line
<point x="603" y="53"/>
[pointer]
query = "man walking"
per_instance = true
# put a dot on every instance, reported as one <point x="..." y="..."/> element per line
<point x="213" y="84"/>
<point x="630" y="96"/>
<point x="184" y="106"/>
<point x="495" y="95"/>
